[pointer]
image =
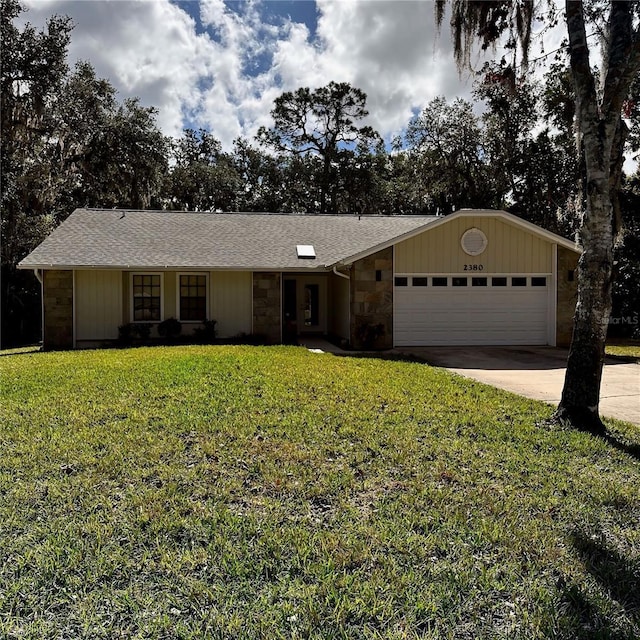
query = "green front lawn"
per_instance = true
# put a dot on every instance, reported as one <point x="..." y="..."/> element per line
<point x="244" y="492"/>
<point x="626" y="348"/>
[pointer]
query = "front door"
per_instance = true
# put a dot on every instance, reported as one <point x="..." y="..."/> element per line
<point x="304" y="305"/>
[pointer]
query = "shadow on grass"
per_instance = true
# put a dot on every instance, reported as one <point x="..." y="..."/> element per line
<point x="614" y="440"/>
<point x="630" y="448"/>
<point x="382" y="355"/>
<point x="619" y="575"/>
<point x="586" y="616"/>
<point x="582" y="618"/>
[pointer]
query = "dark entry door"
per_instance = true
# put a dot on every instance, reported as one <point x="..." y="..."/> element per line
<point x="290" y="312"/>
<point x="304" y="305"/>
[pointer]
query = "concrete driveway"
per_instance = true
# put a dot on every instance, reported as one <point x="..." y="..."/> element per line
<point x="538" y="373"/>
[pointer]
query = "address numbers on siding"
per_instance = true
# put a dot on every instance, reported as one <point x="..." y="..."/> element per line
<point x="473" y="267"/>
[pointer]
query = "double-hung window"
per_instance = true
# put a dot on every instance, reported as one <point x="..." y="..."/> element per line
<point x="192" y="297"/>
<point x="147" y="297"/>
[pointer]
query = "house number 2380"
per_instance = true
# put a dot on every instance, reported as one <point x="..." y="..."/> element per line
<point x="473" y="267"/>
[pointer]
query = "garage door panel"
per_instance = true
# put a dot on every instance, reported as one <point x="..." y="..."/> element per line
<point x="470" y="337"/>
<point x="484" y="324"/>
<point x="470" y="315"/>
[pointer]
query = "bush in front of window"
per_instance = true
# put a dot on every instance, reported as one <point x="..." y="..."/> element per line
<point x="125" y="334"/>
<point x="169" y="328"/>
<point x="142" y="330"/>
<point x="206" y="334"/>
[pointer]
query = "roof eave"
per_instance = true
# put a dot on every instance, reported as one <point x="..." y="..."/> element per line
<point x="381" y="246"/>
<point x="464" y="213"/>
<point x="126" y="267"/>
<point x="515" y="220"/>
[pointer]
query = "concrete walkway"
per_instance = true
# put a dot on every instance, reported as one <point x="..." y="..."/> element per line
<point x="538" y="373"/>
<point x="533" y="372"/>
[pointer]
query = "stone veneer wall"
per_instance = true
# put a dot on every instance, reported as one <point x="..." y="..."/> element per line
<point x="371" y="300"/>
<point x="267" y="314"/>
<point x="566" y="295"/>
<point x="57" y="293"/>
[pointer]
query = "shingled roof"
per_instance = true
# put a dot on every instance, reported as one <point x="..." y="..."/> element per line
<point x="127" y="239"/>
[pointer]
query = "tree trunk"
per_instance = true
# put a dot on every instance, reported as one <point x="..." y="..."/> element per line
<point x="324" y="187"/>
<point x="603" y="135"/>
<point x="581" y="393"/>
<point x="598" y="116"/>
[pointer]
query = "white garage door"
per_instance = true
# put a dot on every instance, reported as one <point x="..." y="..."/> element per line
<point x="470" y="310"/>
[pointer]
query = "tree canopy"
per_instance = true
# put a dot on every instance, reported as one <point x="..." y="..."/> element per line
<point x="323" y="122"/>
<point x="66" y="142"/>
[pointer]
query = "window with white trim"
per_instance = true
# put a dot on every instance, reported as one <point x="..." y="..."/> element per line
<point x="146" y="289"/>
<point x="192" y="297"/>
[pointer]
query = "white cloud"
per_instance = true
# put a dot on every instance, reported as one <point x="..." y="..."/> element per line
<point x="145" y="48"/>
<point x="392" y="52"/>
<point x="226" y="77"/>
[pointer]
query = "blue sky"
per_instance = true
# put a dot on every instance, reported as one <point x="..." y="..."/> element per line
<point x="220" y="64"/>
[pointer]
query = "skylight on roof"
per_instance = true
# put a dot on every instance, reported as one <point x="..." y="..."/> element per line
<point x="305" y="251"/>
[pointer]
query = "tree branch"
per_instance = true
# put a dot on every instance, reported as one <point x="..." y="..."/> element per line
<point x="622" y="61"/>
<point x="579" y="57"/>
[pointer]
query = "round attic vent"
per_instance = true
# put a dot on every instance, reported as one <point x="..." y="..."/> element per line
<point x="473" y="242"/>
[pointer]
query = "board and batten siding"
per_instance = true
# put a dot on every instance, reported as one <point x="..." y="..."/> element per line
<point x="98" y="304"/>
<point x="338" y="307"/>
<point x="509" y="249"/>
<point x="230" y="302"/>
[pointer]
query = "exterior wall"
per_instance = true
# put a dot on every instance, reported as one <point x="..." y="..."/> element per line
<point x="98" y="304"/>
<point x="126" y="297"/>
<point x="338" y="306"/>
<point x="170" y="293"/>
<point x="371" y="300"/>
<point x="267" y="313"/>
<point x="230" y="302"/>
<point x="57" y="300"/>
<point x="566" y="295"/>
<point x="509" y="249"/>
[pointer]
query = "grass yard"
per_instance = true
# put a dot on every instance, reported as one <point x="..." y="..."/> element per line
<point x="244" y="492"/>
<point x="626" y="348"/>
